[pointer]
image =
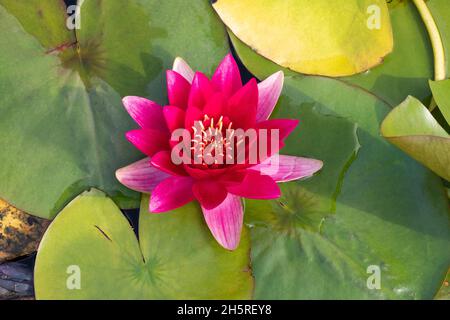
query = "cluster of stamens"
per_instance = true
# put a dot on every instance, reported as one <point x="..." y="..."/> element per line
<point x="212" y="142"/>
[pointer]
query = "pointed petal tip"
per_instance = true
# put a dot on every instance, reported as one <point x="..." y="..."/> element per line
<point x="119" y="175"/>
<point x="183" y="68"/>
<point x="276" y="78"/>
<point x="279" y="79"/>
<point x="178" y="89"/>
<point x="125" y="100"/>
<point x="146" y="113"/>
<point x="154" y="207"/>
<point x="129" y="135"/>
<point x="253" y="82"/>
<point x="318" y="165"/>
<point x="279" y="73"/>
<point x="291" y="125"/>
<point x="311" y="166"/>
<point x="140" y="176"/>
<point x="227" y="77"/>
<point x="269" y="92"/>
<point x="229" y="57"/>
<point x="128" y="102"/>
<point x="177" y="62"/>
<point x="229" y="247"/>
<point x="283" y="168"/>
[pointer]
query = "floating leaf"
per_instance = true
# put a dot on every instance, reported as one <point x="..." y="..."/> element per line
<point x="177" y="258"/>
<point x="62" y="125"/>
<point x="384" y="204"/>
<point x="401" y="73"/>
<point x="380" y="206"/>
<point x="412" y="128"/>
<point x="20" y="233"/>
<point x="332" y="38"/>
<point x="441" y="94"/>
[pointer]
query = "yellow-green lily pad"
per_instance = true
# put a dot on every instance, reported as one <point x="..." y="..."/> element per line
<point x="91" y="252"/>
<point x="332" y="38"/>
<point x="441" y="94"/>
<point x="412" y="128"/>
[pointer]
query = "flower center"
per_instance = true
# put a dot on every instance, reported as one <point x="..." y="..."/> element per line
<point x="212" y="141"/>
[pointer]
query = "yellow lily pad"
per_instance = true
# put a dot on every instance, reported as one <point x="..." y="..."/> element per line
<point x="321" y="37"/>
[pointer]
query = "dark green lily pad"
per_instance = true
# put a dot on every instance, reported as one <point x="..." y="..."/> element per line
<point x="390" y="212"/>
<point x="62" y="125"/>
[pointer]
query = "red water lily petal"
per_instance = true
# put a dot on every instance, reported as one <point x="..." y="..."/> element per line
<point x="225" y="221"/>
<point x="146" y="113"/>
<point x="256" y="186"/>
<point x="148" y="141"/>
<point x="267" y="136"/>
<point x="174" y="117"/>
<point x="234" y="177"/>
<point x="162" y="160"/>
<point x="269" y="91"/>
<point x="201" y="174"/>
<point x="218" y="189"/>
<point x="216" y="105"/>
<point x="201" y="91"/>
<point x="285" y="126"/>
<point x="180" y="66"/>
<point x="140" y="176"/>
<point x="288" y="168"/>
<point x="171" y="193"/>
<point x="227" y="77"/>
<point x="209" y="193"/>
<point x="178" y="89"/>
<point x="243" y="104"/>
<point x="192" y="114"/>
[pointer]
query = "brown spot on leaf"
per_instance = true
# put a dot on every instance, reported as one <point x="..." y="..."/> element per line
<point x="20" y="233"/>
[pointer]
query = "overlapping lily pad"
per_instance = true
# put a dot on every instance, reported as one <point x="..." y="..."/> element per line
<point x="441" y="94"/>
<point x="91" y="252"/>
<point x="401" y="73"/>
<point x="412" y="128"/>
<point x="62" y="125"/>
<point x="408" y="68"/>
<point x="390" y="212"/>
<point x="333" y="38"/>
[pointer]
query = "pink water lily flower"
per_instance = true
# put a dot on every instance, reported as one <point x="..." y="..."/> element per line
<point x="211" y="112"/>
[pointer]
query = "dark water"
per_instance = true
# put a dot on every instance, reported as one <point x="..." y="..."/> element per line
<point x="70" y="2"/>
